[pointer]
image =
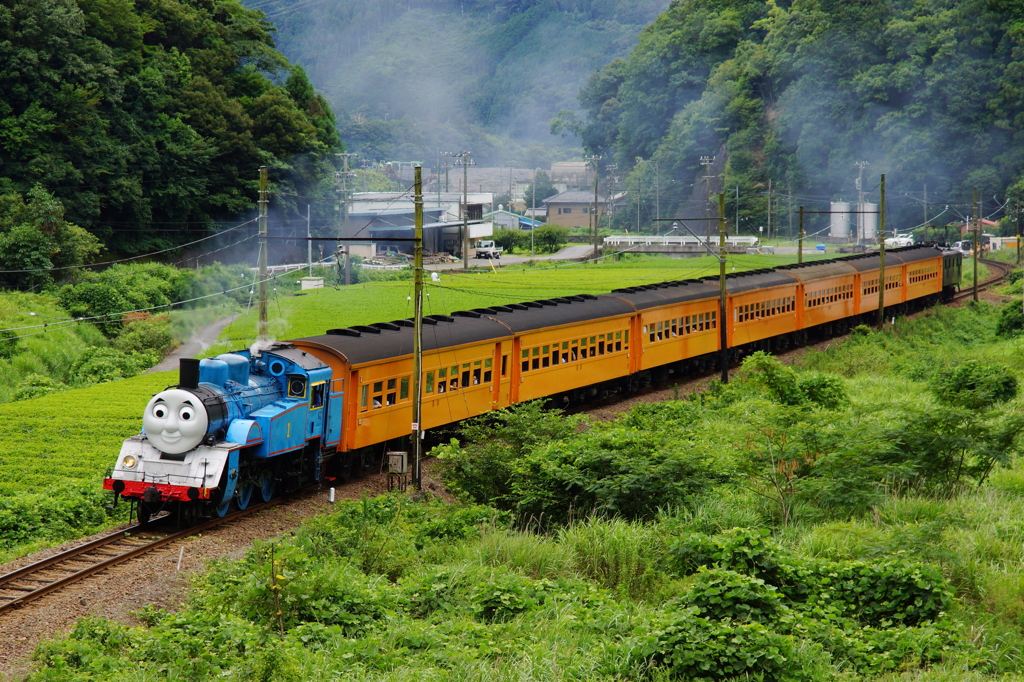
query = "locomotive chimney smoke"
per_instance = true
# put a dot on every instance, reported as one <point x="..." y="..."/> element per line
<point x="188" y="373"/>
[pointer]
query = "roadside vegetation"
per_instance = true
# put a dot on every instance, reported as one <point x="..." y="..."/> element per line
<point x="856" y="516"/>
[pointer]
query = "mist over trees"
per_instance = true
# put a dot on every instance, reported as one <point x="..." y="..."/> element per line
<point x="148" y="120"/>
<point x="926" y="92"/>
<point x="409" y="77"/>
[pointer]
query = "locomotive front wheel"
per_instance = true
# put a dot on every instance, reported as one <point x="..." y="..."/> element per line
<point x="222" y="510"/>
<point x="143" y="513"/>
<point x="245" y="495"/>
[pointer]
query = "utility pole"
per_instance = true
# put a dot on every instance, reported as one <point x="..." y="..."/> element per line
<point x="736" y="231"/>
<point x="346" y="193"/>
<point x="309" y="244"/>
<point x="723" y="335"/>
<point x="533" y="213"/>
<point x="446" y="155"/>
<point x="262" y="333"/>
<point x="974" y="251"/>
<point x="926" y="205"/>
<point x="800" y="240"/>
<point x="465" y="162"/>
<point x="881" y="254"/>
<point x="789" y="209"/>
<point x="1020" y="233"/>
<point x="860" y="200"/>
<point x="596" y="161"/>
<point x="417" y="340"/>
<point x="706" y="162"/>
<point x="769" y="208"/>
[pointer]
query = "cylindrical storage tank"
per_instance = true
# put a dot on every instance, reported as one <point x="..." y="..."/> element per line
<point x="839" y="225"/>
<point x="869" y="220"/>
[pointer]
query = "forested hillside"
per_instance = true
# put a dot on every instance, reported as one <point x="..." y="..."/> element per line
<point x="409" y="77"/>
<point x="927" y="92"/>
<point x="149" y="119"/>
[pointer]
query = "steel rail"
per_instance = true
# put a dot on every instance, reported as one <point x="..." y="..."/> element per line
<point x="1004" y="273"/>
<point x="50" y="563"/>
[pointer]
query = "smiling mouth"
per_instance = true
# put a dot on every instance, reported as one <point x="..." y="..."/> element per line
<point x="171" y="437"/>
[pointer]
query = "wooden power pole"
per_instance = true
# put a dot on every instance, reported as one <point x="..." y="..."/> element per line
<point x="976" y="223"/>
<point x="417" y="341"/>
<point x="881" y="253"/>
<point x="723" y="335"/>
<point x="262" y="328"/>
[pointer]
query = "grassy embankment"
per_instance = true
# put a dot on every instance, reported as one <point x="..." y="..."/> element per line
<point x="867" y="556"/>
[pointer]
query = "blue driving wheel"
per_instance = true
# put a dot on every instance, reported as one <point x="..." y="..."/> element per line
<point x="267" y="486"/>
<point x="244" y="495"/>
<point x="222" y="510"/>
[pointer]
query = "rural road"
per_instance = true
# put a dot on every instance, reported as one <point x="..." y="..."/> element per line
<point x="567" y="253"/>
<point x="203" y="339"/>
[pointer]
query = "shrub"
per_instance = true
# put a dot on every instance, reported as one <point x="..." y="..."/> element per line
<point x="695" y="648"/>
<point x="827" y="391"/>
<point x="719" y="594"/>
<point x="510" y="240"/>
<point x="884" y="592"/>
<point x="36" y="386"/>
<point x="99" y="365"/>
<point x="151" y="336"/>
<point x="974" y="385"/>
<point x="550" y="237"/>
<point x="1011" y="319"/>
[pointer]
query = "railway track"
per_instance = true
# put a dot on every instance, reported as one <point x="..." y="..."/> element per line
<point x="70" y="566"/>
<point x="1001" y="273"/>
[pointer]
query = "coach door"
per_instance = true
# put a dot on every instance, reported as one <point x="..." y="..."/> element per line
<point x="334" y="418"/>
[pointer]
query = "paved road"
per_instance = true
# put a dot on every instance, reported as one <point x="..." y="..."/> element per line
<point x="203" y="339"/>
<point x="574" y="252"/>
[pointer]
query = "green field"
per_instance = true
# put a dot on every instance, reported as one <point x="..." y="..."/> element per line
<point x="316" y="311"/>
<point x="71" y="437"/>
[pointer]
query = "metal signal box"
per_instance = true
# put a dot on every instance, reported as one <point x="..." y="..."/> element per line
<point x="397" y="462"/>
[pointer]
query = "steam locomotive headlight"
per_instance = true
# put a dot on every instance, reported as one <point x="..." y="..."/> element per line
<point x="129" y="462"/>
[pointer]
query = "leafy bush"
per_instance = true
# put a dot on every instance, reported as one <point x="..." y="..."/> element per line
<point x="695" y="648"/>
<point x="884" y="592"/>
<point x="99" y="365"/>
<point x="550" y="238"/>
<point x="60" y="514"/>
<point x="719" y="594"/>
<point x="150" y="336"/>
<point x="36" y="386"/>
<point x="1011" y="319"/>
<point x="974" y="385"/>
<point x="511" y="240"/>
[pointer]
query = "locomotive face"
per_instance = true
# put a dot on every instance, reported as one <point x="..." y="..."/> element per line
<point x="175" y="421"/>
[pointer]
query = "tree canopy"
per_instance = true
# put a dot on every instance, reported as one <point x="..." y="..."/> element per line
<point x="148" y="119"/>
<point x="928" y="92"/>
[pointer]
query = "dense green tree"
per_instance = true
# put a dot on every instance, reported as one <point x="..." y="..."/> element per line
<point x="149" y="119"/>
<point x="926" y="92"/>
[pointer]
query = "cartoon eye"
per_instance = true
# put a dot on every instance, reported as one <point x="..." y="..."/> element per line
<point x="186" y="414"/>
<point x="160" y="411"/>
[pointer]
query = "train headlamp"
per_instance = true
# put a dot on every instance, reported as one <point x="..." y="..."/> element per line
<point x="129" y="462"/>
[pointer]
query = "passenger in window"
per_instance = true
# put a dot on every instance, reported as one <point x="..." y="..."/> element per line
<point x="453" y="385"/>
<point x="376" y="402"/>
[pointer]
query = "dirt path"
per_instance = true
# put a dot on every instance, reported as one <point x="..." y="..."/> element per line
<point x="204" y="338"/>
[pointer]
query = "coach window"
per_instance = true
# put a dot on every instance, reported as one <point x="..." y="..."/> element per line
<point x="377" y="400"/>
<point x="403" y="391"/>
<point x="600" y="344"/>
<point x="504" y="365"/>
<point x="391" y="396"/>
<point x="565" y="352"/>
<point x="477" y="371"/>
<point x="545" y="360"/>
<point x="625" y="340"/>
<point x="618" y="341"/>
<point x="526" y="361"/>
<point x="535" y="362"/>
<point x="574" y="351"/>
<point x="364" y="398"/>
<point x="465" y="375"/>
<point x="429" y="383"/>
<point x="661" y="331"/>
<point x="487" y="371"/>
<point x="442" y="380"/>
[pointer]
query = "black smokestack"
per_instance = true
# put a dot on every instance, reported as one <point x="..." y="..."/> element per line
<point x="188" y="373"/>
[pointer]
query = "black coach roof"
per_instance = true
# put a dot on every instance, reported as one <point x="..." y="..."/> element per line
<point x="369" y="343"/>
<point x="667" y="293"/>
<point x="359" y="345"/>
<point x="738" y="282"/>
